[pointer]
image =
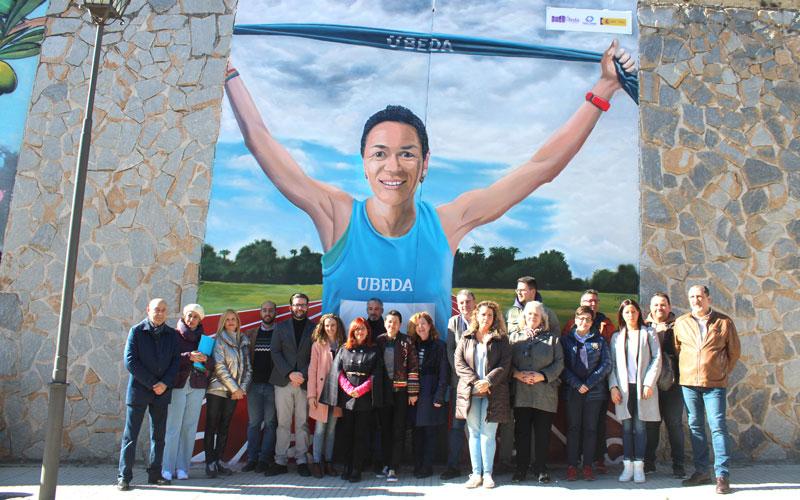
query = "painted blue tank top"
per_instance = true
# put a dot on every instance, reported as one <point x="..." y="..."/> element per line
<point x="411" y="273"/>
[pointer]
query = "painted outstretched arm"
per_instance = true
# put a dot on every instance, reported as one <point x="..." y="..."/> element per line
<point x="481" y="206"/>
<point x="328" y="207"/>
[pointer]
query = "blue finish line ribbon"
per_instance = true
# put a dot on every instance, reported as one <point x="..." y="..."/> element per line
<point x="434" y="43"/>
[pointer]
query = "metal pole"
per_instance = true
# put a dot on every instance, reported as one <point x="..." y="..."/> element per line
<point x="58" y="386"/>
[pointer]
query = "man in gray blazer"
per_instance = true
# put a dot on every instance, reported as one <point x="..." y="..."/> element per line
<point x="291" y="354"/>
<point x="456" y="327"/>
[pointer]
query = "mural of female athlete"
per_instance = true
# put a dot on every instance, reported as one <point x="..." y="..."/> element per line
<point x="394" y="245"/>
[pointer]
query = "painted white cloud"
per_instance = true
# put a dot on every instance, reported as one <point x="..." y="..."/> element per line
<point x="482" y="110"/>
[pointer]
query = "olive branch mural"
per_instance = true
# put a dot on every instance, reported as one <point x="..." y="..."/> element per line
<point x="20" y="37"/>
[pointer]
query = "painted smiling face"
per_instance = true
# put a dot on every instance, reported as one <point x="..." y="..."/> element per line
<point x="393" y="162"/>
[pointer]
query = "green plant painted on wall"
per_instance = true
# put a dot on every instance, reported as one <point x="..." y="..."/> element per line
<point x="19" y="37"/>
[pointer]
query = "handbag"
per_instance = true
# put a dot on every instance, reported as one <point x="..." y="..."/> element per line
<point x="666" y="378"/>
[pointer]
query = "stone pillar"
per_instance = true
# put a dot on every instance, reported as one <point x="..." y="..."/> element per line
<point x="720" y="187"/>
<point x="156" y="124"/>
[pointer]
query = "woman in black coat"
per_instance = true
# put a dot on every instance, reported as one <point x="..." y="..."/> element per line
<point x="355" y="384"/>
<point x="430" y="411"/>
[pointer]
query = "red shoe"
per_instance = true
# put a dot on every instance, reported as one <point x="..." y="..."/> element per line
<point x="588" y="475"/>
<point x="572" y="473"/>
<point x="600" y="467"/>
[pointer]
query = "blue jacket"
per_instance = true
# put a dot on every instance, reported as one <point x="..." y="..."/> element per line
<point x="599" y="358"/>
<point x="150" y="360"/>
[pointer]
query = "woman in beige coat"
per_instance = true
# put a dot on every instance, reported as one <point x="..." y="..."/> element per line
<point x="328" y="335"/>
<point x="635" y="361"/>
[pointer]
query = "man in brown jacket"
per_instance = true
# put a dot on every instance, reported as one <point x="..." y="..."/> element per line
<point x="708" y="348"/>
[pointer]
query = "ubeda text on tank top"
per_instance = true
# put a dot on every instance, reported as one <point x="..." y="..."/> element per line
<point x="368" y="284"/>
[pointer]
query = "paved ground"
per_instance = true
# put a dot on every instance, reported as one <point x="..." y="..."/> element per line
<point x="96" y="483"/>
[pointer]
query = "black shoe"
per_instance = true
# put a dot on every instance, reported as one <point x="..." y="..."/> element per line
<point x="211" y="470"/>
<point x="649" y="467"/>
<point x="450" y="473"/>
<point x="222" y="470"/>
<point x="250" y="467"/>
<point x="697" y="479"/>
<point x="123" y="485"/>
<point x="303" y="470"/>
<point x="678" y="472"/>
<point x="355" y="477"/>
<point x="261" y="467"/>
<point x="544" y="477"/>
<point x="424" y="472"/>
<point x="158" y="480"/>
<point x="346" y="473"/>
<point x="518" y="477"/>
<point x="276" y="470"/>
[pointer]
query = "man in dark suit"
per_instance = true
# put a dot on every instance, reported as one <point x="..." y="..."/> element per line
<point x="151" y="357"/>
<point x="291" y="355"/>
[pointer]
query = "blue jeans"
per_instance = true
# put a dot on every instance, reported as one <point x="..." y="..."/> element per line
<point x="323" y="438"/>
<point x="455" y="438"/>
<point x="261" y="410"/>
<point x="133" y="424"/>
<point x="634" y="430"/>
<point x="182" y="416"/>
<point x="481" y="437"/>
<point x="710" y="403"/>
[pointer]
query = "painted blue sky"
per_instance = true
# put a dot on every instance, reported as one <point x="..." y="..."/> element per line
<point x="484" y="116"/>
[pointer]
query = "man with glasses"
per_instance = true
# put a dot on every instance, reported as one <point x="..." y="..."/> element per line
<point x="291" y="355"/>
<point x="261" y="395"/>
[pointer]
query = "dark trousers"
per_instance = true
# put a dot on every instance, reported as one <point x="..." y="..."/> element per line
<point x="671" y="408"/>
<point x="219" y="411"/>
<point x="582" y="426"/>
<point x="456" y="436"/>
<point x="133" y="424"/>
<point x="424" y="446"/>
<point x="602" y="447"/>
<point x="393" y="429"/>
<point x="352" y="440"/>
<point x="524" y="419"/>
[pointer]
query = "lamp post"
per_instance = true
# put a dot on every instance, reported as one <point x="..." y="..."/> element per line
<point x="102" y="11"/>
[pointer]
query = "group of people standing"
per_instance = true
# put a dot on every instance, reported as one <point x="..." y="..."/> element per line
<point x="363" y="383"/>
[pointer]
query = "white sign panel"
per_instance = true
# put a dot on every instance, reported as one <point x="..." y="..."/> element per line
<point x="603" y="21"/>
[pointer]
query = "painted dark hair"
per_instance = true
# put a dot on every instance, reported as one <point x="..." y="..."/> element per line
<point x="400" y="114"/>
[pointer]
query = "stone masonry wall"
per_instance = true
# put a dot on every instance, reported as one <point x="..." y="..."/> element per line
<point x="720" y="193"/>
<point x="156" y="123"/>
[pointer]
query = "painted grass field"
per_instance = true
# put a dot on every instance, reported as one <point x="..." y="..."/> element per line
<point x="217" y="296"/>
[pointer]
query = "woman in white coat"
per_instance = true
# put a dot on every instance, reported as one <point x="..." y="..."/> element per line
<point x="636" y="362"/>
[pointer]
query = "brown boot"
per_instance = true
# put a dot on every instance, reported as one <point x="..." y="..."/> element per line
<point x="316" y="470"/>
<point x="330" y="469"/>
<point x="723" y="485"/>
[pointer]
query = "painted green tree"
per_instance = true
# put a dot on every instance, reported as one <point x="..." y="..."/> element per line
<point x="20" y="37"/>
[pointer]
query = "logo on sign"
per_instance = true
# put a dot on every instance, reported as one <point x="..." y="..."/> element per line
<point x="384" y="284"/>
<point x="419" y="44"/>
<point x="613" y="21"/>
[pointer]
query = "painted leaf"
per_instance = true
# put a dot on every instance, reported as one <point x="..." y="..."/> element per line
<point x="5" y="6"/>
<point x="19" y="51"/>
<point x="19" y="10"/>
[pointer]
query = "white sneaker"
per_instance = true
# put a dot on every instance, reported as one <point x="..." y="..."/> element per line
<point x="638" y="471"/>
<point x="627" y="471"/>
<point x="474" y="481"/>
<point x="182" y="474"/>
<point x="488" y="482"/>
<point x="391" y="476"/>
<point x="383" y="471"/>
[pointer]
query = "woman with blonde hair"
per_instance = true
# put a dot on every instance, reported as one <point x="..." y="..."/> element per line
<point x="187" y="395"/>
<point x="326" y="339"/>
<point x="430" y="412"/>
<point x="537" y="360"/>
<point x="229" y="383"/>
<point x="483" y="364"/>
